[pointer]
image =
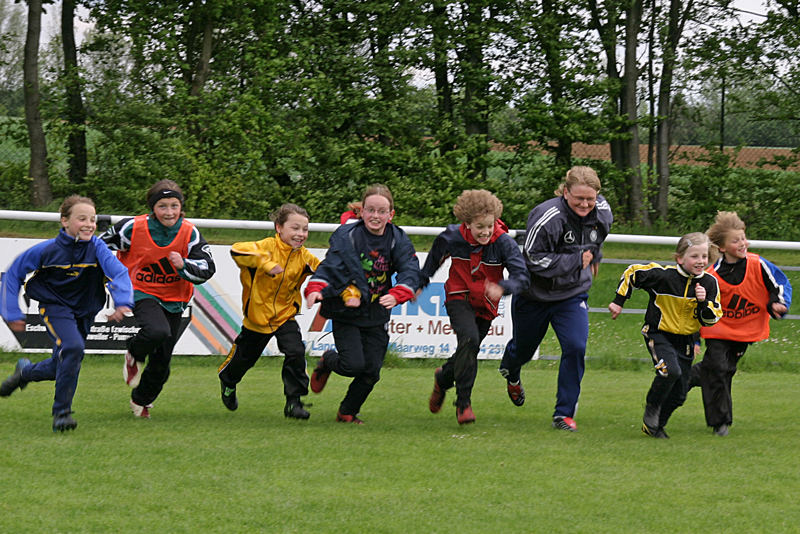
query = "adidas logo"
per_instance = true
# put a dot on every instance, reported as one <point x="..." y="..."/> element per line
<point x="739" y="307"/>
<point x="158" y="273"/>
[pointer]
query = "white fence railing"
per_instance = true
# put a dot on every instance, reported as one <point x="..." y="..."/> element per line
<point x="412" y="230"/>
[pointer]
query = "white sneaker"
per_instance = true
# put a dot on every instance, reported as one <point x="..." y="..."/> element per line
<point x="132" y="370"/>
<point x="141" y="411"/>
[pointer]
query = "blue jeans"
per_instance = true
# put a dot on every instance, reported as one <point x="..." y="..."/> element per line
<point x="68" y="332"/>
<point x="570" y="321"/>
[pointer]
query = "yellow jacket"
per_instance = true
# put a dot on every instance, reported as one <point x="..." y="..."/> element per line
<point x="269" y="300"/>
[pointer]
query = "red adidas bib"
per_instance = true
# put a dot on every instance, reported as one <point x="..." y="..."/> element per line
<point x="744" y="307"/>
<point x="148" y="266"/>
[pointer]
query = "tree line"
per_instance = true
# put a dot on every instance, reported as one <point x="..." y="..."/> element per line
<point x="251" y="103"/>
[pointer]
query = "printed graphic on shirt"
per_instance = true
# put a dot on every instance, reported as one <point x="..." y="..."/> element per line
<point x="376" y="268"/>
<point x="161" y="272"/>
<point x="739" y="307"/>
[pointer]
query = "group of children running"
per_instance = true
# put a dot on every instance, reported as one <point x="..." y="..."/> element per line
<point x="370" y="267"/>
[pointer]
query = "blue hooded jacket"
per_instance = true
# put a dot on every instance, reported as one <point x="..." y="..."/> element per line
<point x="69" y="272"/>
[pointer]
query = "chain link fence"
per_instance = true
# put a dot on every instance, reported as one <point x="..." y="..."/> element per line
<point x="786" y="159"/>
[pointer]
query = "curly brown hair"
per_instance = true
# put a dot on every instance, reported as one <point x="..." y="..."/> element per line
<point x="474" y="203"/>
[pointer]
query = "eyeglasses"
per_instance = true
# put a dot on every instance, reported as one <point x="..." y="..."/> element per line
<point x="372" y="211"/>
<point x="581" y="200"/>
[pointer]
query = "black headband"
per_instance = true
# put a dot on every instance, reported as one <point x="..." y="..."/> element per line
<point x="163" y="193"/>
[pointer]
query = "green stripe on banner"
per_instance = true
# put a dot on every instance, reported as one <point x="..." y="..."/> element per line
<point x="233" y="322"/>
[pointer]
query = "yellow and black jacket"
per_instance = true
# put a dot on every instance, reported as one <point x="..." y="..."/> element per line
<point x="673" y="305"/>
<point x="268" y="300"/>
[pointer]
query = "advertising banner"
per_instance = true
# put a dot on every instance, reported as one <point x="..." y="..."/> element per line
<point x="418" y="329"/>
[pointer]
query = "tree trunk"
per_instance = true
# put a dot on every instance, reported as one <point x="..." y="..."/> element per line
<point x="608" y="38"/>
<point x="444" y="96"/>
<point x="677" y="19"/>
<point x="75" y="114"/>
<point x="550" y="30"/>
<point x="41" y="194"/>
<point x="204" y="62"/>
<point x="633" y="20"/>
<point x="476" y="87"/>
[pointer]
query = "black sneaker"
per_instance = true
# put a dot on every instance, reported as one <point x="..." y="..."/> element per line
<point x="650" y="419"/>
<point x="15" y="381"/>
<point x="660" y="434"/>
<point x="565" y="423"/>
<point x="294" y="409"/>
<point x="64" y="422"/>
<point x="229" y="396"/>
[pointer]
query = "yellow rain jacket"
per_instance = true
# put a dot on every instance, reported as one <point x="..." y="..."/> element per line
<point x="269" y="300"/>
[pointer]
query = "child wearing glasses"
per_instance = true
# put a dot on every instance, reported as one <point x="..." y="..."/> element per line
<point x="365" y="254"/>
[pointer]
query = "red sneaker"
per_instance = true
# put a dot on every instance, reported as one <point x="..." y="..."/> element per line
<point x="516" y="393"/>
<point x="132" y="370"/>
<point x="344" y="418"/>
<point x="320" y="376"/>
<point x="565" y="423"/>
<point x="141" y="411"/>
<point x="437" y="397"/>
<point x="465" y="415"/>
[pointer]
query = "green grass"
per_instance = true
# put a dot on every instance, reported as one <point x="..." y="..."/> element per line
<point x="195" y="467"/>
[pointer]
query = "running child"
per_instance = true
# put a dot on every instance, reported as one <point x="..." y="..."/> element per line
<point x="683" y="298"/>
<point x="479" y="249"/>
<point x="70" y="272"/>
<point x="365" y="253"/>
<point x="751" y="290"/>
<point x="272" y="271"/>
<point x="165" y="255"/>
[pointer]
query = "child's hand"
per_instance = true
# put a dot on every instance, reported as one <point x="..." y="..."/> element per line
<point x="388" y="301"/>
<point x="175" y="259"/>
<point x="493" y="291"/>
<point x="778" y="309"/>
<point x="586" y="258"/>
<point x="615" y="310"/>
<point x="17" y="326"/>
<point x="119" y="313"/>
<point x="276" y="270"/>
<point x="352" y="302"/>
<point x="700" y="292"/>
<point x="313" y="298"/>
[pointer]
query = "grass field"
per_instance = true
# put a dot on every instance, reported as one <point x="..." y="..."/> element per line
<point x="195" y="467"/>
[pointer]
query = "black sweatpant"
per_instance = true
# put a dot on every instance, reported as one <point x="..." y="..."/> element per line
<point x="249" y="345"/>
<point x="714" y="373"/>
<point x="155" y="341"/>
<point x="360" y="351"/>
<point x="462" y="367"/>
<point x="672" y="357"/>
